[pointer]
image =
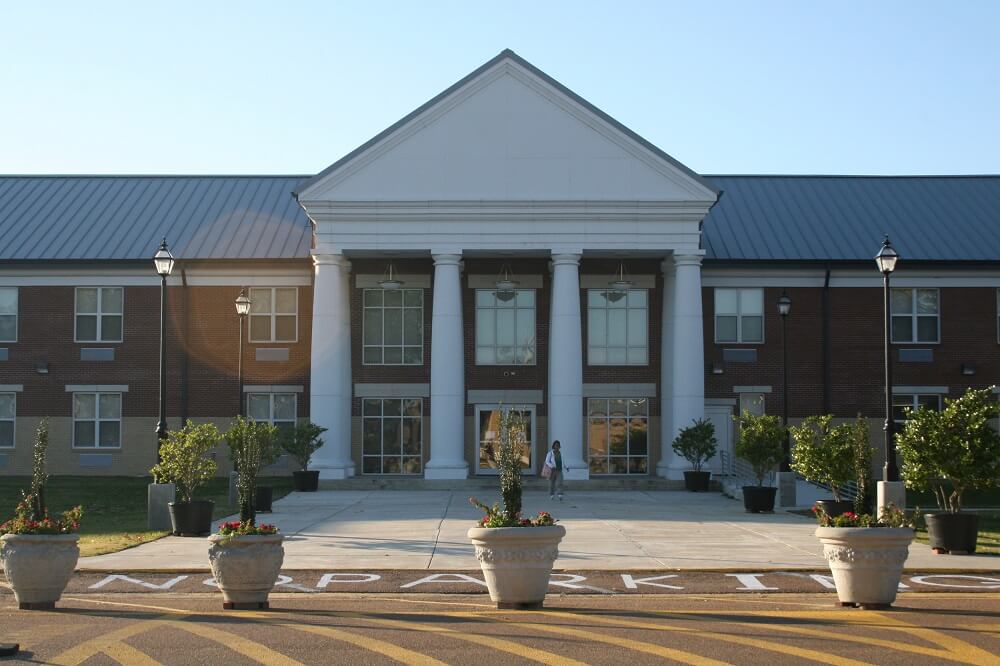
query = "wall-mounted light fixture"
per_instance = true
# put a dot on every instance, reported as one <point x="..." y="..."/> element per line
<point x="968" y="369"/>
<point x="717" y="368"/>
<point x="42" y="367"/>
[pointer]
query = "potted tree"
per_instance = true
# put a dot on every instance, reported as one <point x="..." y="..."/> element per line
<point x="759" y="443"/>
<point x="39" y="553"/>
<point x="950" y="452"/>
<point x="864" y="500"/>
<point x="264" y="494"/>
<point x="185" y="462"/>
<point x="696" y="444"/>
<point x="515" y="553"/>
<point x="866" y="554"/>
<point x="301" y="442"/>
<point x="824" y="453"/>
<point x="246" y="557"/>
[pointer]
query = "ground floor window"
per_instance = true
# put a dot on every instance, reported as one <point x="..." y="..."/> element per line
<point x="392" y="436"/>
<point x="278" y="409"/>
<point x="753" y="403"/>
<point x="8" y="402"/>
<point x="618" y="435"/>
<point x="488" y="422"/>
<point x="97" y="420"/>
<point x="900" y="401"/>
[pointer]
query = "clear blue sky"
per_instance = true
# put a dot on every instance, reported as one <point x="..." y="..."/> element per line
<point x="762" y="86"/>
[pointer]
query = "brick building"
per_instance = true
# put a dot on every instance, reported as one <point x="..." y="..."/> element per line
<point x="507" y="243"/>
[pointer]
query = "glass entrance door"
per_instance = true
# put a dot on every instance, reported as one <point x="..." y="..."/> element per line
<point x="488" y="429"/>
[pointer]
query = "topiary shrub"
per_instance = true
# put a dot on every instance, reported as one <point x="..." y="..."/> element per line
<point x="759" y="442"/>
<point x="696" y="443"/>
<point x="824" y="453"/>
<point x="184" y="458"/>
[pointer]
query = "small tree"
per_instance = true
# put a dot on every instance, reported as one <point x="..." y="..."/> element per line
<point x="301" y="442"/>
<point x="184" y="458"/>
<point x="864" y="501"/>
<point x="696" y="443"/>
<point x="252" y="447"/>
<point x="824" y="453"/>
<point x="759" y="442"/>
<point x="512" y="443"/>
<point x="956" y="447"/>
<point x="39" y="510"/>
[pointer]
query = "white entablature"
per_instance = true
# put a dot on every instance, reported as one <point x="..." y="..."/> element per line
<point x="507" y="159"/>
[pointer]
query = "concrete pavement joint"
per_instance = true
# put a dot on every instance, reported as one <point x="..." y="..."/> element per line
<point x="437" y="531"/>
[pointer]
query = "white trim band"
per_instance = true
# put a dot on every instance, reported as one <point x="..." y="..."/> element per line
<point x="919" y="389"/>
<point x="96" y="388"/>
<point x="11" y="388"/>
<point x="273" y="388"/>
<point x="507" y="397"/>
<point x="619" y="390"/>
<point x="751" y="389"/>
<point x="392" y="390"/>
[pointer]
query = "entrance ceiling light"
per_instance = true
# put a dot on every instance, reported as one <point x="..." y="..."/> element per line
<point x="506" y="284"/>
<point x="620" y="284"/>
<point x="390" y="281"/>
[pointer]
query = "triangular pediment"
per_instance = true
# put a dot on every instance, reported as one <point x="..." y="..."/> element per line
<point x="507" y="132"/>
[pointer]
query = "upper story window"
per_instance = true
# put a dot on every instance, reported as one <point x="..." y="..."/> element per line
<point x="739" y="315"/>
<point x="274" y="314"/>
<point x="617" y="327"/>
<point x="8" y="409"/>
<point x="505" y="327"/>
<point x="915" y="315"/>
<point x="279" y="409"/>
<point x="900" y="401"/>
<point x="99" y="314"/>
<point x="393" y="327"/>
<point x="8" y="314"/>
<point x="97" y="420"/>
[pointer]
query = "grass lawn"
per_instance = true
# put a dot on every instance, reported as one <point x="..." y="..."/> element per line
<point x="114" y="508"/>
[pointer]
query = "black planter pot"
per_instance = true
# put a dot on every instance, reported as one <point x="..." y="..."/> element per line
<point x="834" y="508"/>
<point x="759" y="499"/>
<point x="191" y="518"/>
<point x="953" y="532"/>
<point x="697" y="481"/>
<point x="306" y="481"/>
<point x="262" y="500"/>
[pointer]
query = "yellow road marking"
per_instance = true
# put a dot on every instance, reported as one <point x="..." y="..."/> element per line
<point x="126" y="654"/>
<point x="86" y="650"/>
<point x="241" y="644"/>
<point x="400" y="654"/>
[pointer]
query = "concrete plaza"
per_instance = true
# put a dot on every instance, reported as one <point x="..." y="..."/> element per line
<point x="613" y="530"/>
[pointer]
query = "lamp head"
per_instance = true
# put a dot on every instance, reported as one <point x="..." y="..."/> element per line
<point x="784" y="304"/>
<point x="163" y="260"/>
<point x="242" y="303"/>
<point x="886" y="258"/>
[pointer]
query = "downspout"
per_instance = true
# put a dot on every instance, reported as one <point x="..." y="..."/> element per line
<point x="185" y="325"/>
<point x="827" y="364"/>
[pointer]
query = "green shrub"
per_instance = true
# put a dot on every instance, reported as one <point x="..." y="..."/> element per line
<point x="824" y="453"/>
<point x="252" y="446"/>
<point x="759" y="442"/>
<point x="301" y="442"/>
<point x="184" y="458"/>
<point x="864" y="501"/>
<point x="696" y="443"/>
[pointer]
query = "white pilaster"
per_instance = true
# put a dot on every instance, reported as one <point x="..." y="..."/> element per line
<point x="330" y="370"/>
<point x="565" y="406"/>
<point x="688" y="355"/>
<point x="447" y="373"/>
<point x="666" y="371"/>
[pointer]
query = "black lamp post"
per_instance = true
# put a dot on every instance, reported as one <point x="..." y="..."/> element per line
<point x="164" y="262"/>
<point x="242" y="309"/>
<point x="784" y="307"/>
<point x="886" y="261"/>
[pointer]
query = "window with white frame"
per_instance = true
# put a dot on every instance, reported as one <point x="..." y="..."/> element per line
<point x="505" y="327"/>
<point x="618" y="435"/>
<point x="753" y="403"/>
<point x="99" y="314"/>
<point x="97" y="420"/>
<point x="8" y="314"/>
<point x="392" y="436"/>
<point x="915" y="315"/>
<point x="278" y="409"/>
<point x="617" y="327"/>
<point x="393" y="324"/>
<point x="914" y="401"/>
<point x="739" y="315"/>
<point x="274" y="314"/>
<point x="8" y="411"/>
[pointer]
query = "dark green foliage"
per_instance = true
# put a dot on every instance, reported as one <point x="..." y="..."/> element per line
<point x="252" y="446"/>
<point x="696" y="443"/>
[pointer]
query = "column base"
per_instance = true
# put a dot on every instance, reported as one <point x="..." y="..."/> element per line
<point x="890" y="492"/>
<point x="672" y="473"/>
<point x="334" y="471"/>
<point x="786" y="489"/>
<point x="446" y="471"/>
<point x="577" y="472"/>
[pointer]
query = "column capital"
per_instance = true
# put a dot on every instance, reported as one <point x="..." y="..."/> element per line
<point x="331" y="260"/>
<point x="566" y="258"/>
<point x="667" y="266"/>
<point x="447" y="258"/>
<point x="689" y="259"/>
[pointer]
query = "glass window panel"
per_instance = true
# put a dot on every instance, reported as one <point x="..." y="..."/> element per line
<point x="8" y="328"/>
<point x="598" y="465"/>
<point x="413" y="298"/>
<point x="616" y="329"/>
<point x="83" y="433"/>
<point x="371" y="441"/>
<point x="413" y="355"/>
<point x="393" y="326"/>
<point x="505" y="299"/>
<point x="753" y="329"/>
<point x="927" y="329"/>
<point x="411" y="436"/>
<point x="484" y="298"/>
<point x="393" y="298"/>
<point x="637" y="465"/>
<point x="929" y="401"/>
<point x="725" y="328"/>
<point x="84" y="406"/>
<point x="598" y="437"/>
<point x="726" y="301"/>
<point x="284" y="328"/>
<point x="616" y="356"/>
<point x="8" y="300"/>
<point x="259" y="406"/>
<point x="111" y="300"/>
<point x="6" y="434"/>
<point x="391" y="466"/>
<point x="373" y="297"/>
<point x="597" y="355"/>
<point x="616" y="299"/>
<point x="371" y="407"/>
<point x="638" y="435"/>
<point x="412" y="407"/>
<point x="597" y="407"/>
<point x="373" y="355"/>
<point x="260" y="301"/>
<point x="618" y="465"/>
<point x="411" y="465"/>
<point x="260" y="327"/>
<point x="596" y="298"/>
<point x="505" y="327"/>
<point x="597" y="322"/>
<point x="111" y="327"/>
<point x="902" y="329"/>
<point x="525" y="327"/>
<point x="486" y="355"/>
<point x="618" y="407"/>
<point x="927" y="301"/>
<point x="110" y="406"/>
<point x="373" y="326"/>
<point x="412" y="327"/>
<point x="902" y="301"/>
<point x="637" y="328"/>
<point x="637" y="356"/>
<point x="525" y="355"/>
<point x="505" y="355"/>
<point x="752" y="402"/>
<point x="6" y="405"/>
<point x="284" y="406"/>
<point x="372" y="465"/>
<point x="638" y="407"/>
<point x="392" y="407"/>
<point x="752" y="301"/>
<point x="86" y="300"/>
<point x="392" y="437"/>
<point x="637" y="298"/>
<point x="86" y="327"/>
<point x="525" y="298"/>
<point x="110" y="433"/>
<point x="485" y="327"/>
<point x="286" y="301"/>
<point x="393" y="355"/>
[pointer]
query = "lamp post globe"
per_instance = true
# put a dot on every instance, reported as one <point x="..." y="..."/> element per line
<point x="784" y="307"/>
<point x="163" y="261"/>
<point x="242" y="310"/>
<point x="886" y="261"/>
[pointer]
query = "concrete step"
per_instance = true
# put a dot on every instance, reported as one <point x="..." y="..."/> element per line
<point x="480" y="483"/>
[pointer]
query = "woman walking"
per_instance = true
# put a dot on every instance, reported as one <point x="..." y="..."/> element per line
<point x="553" y="460"/>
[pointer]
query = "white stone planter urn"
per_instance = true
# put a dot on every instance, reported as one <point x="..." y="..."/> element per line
<point x="38" y="567"/>
<point x="866" y="562"/>
<point x="517" y="562"/>
<point x="245" y="567"/>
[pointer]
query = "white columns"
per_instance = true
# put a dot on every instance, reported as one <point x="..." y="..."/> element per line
<point x="330" y="370"/>
<point x="565" y="406"/>
<point x="687" y="358"/>
<point x="666" y="371"/>
<point x="447" y="373"/>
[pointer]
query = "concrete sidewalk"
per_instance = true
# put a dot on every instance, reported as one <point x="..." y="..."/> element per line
<point x="608" y="530"/>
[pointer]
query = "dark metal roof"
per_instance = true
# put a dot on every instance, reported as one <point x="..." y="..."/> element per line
<point x="124" y="217"/>
<point x="843" y="218"/>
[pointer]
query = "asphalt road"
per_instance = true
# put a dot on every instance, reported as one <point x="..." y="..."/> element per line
<point x="416" y="628"/>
